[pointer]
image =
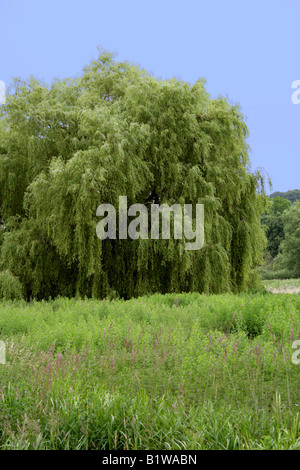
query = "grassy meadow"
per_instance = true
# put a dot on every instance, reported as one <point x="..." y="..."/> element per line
<point x="184" y="371"/>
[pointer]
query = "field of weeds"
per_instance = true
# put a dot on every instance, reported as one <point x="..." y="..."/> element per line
<point x="170" y="371"/>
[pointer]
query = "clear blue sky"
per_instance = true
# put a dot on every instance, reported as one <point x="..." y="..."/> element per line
<point x="245" y="49"/>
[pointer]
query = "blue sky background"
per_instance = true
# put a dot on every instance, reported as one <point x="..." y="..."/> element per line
<point x="246" y="50"/>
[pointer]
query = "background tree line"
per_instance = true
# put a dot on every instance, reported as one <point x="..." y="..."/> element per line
<point x="282" y="222"/>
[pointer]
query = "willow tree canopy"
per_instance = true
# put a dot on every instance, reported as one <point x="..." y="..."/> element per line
<point x="117" y="131"/>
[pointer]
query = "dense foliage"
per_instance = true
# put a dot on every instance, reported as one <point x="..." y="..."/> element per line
<point x="282" y="255"/>
<point x="69" y="147"/>
<point x="292" y="195"/>
<point x="274" y="223"/>
<point x="289" y="253"/>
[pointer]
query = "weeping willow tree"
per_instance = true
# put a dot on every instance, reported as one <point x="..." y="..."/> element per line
<point x="114" y="131"/>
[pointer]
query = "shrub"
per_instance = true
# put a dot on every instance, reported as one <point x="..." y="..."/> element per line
<point x="10" y="286"/>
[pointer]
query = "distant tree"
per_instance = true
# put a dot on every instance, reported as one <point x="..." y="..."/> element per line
<point x="292" y="196"/>
<point x="289" y="252"/>
<point x="274" y="223"/>
<point x="279" y="205"/>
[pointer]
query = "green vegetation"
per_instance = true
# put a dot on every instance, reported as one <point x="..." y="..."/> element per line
<point x="282" y="222"/>
<point x="292" y="196"/>
<point x="289" y="256"/>
<point x="178" y="371"/>
<point x="157" y="363"/>
<point x="10" y="287"/>
<point x="275" y="225"/>
<point x="114" y="131"/>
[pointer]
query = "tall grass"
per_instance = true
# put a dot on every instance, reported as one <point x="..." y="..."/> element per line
<point x="182" y="371"/>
